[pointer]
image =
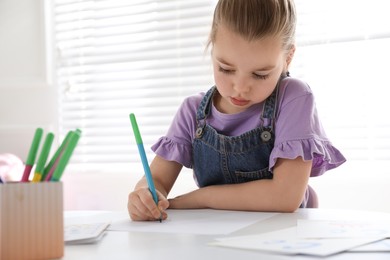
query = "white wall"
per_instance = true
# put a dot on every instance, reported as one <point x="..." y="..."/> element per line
<point x="28" y="100"/>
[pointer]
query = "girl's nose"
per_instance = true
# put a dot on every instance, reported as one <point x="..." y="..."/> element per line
<point x="241" y="85"/>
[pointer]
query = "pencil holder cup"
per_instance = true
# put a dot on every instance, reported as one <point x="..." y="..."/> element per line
<point x="31" y="221"/>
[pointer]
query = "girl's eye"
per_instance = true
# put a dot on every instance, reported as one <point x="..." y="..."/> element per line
<point x="225" y="70"/>
<point x="257" y="76"/>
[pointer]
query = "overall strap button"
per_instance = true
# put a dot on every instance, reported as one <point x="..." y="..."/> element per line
<point x="199" y="132"/>
<point x="265" y="136"/>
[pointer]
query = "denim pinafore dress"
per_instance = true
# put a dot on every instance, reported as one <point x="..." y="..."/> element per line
<point x="221" y="159"/>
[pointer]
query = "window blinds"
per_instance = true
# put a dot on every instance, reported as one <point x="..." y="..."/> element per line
<point x="115" y="57"/>
<point x="342" y="54"/>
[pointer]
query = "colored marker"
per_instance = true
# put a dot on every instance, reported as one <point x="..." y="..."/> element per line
<point x="32" y="154"/>
<point x="43" y="157"/>
<point x="50" y="167"/>
<point x="65" y="157"/>
<point x="53" y="168"/>
<point x="144" y="160"/>
<point x="58" y="155"/>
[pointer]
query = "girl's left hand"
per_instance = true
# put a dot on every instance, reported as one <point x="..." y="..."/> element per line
<point x="189" y="200"/>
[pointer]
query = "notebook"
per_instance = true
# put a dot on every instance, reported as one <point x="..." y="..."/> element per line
<point x="84" y="233"/>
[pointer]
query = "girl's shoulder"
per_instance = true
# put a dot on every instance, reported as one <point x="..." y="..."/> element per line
<point x="293" y="88"/>
<point x="186" y="114"/>
<point x="295" y="85"/>
<point x="191" y="103"/>
<point x="194" y="99"/>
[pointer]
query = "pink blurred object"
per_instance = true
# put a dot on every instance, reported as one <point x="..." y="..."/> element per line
<point x="11" y="167"/>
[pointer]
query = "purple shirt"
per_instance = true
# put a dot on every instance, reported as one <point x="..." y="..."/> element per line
<point x="298" y="130"/>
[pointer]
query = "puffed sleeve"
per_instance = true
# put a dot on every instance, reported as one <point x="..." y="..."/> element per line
<point x="177" y="144"/>
<point x="298" y="130"/>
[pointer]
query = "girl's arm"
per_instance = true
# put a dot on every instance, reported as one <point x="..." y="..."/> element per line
<point x="283" y="193"/>
<point x="141" y="205"/>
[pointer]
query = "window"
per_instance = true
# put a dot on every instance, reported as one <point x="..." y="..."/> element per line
<point x="342" y="54"/>
<point x="114" y="57"/>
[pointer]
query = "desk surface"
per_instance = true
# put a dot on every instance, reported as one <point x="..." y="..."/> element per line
<point x="117" y="245"/>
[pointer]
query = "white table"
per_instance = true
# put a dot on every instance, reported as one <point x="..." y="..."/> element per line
<point x="117" y="245"/>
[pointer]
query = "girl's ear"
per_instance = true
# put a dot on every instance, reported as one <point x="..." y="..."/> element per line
<point x="290" y="55"/>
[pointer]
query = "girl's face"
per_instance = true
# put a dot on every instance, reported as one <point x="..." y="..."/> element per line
<point x="245" y="72"/>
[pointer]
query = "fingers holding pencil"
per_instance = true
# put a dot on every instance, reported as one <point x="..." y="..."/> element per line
<point x="148" y="177"/>
<point x="141" y="205"/>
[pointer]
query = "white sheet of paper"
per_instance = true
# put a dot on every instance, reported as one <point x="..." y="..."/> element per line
<point x="341" y="229"/>
<point x="199" y="221"/>
<point x="286" y="242"/>
<point x="380" y="246"/>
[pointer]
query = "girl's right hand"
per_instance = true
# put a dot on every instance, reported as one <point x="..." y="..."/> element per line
<point x="141" y="205"/>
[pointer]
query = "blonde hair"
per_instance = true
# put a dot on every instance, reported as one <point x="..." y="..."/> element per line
<point x="256" y="19"/>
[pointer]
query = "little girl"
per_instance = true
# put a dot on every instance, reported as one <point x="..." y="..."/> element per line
<point x="253" y="139"/>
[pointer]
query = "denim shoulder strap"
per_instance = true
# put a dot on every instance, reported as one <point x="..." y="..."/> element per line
<point x="205" y="104"/>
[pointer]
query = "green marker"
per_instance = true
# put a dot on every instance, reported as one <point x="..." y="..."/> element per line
<point x="67" y="153"/>
<point x="55" y="156"/>
<point x="32" y="154"/>
<point x="43" y="157"/>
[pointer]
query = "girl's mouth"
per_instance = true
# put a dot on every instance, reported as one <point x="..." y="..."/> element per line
<point x="239" y="102"/>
